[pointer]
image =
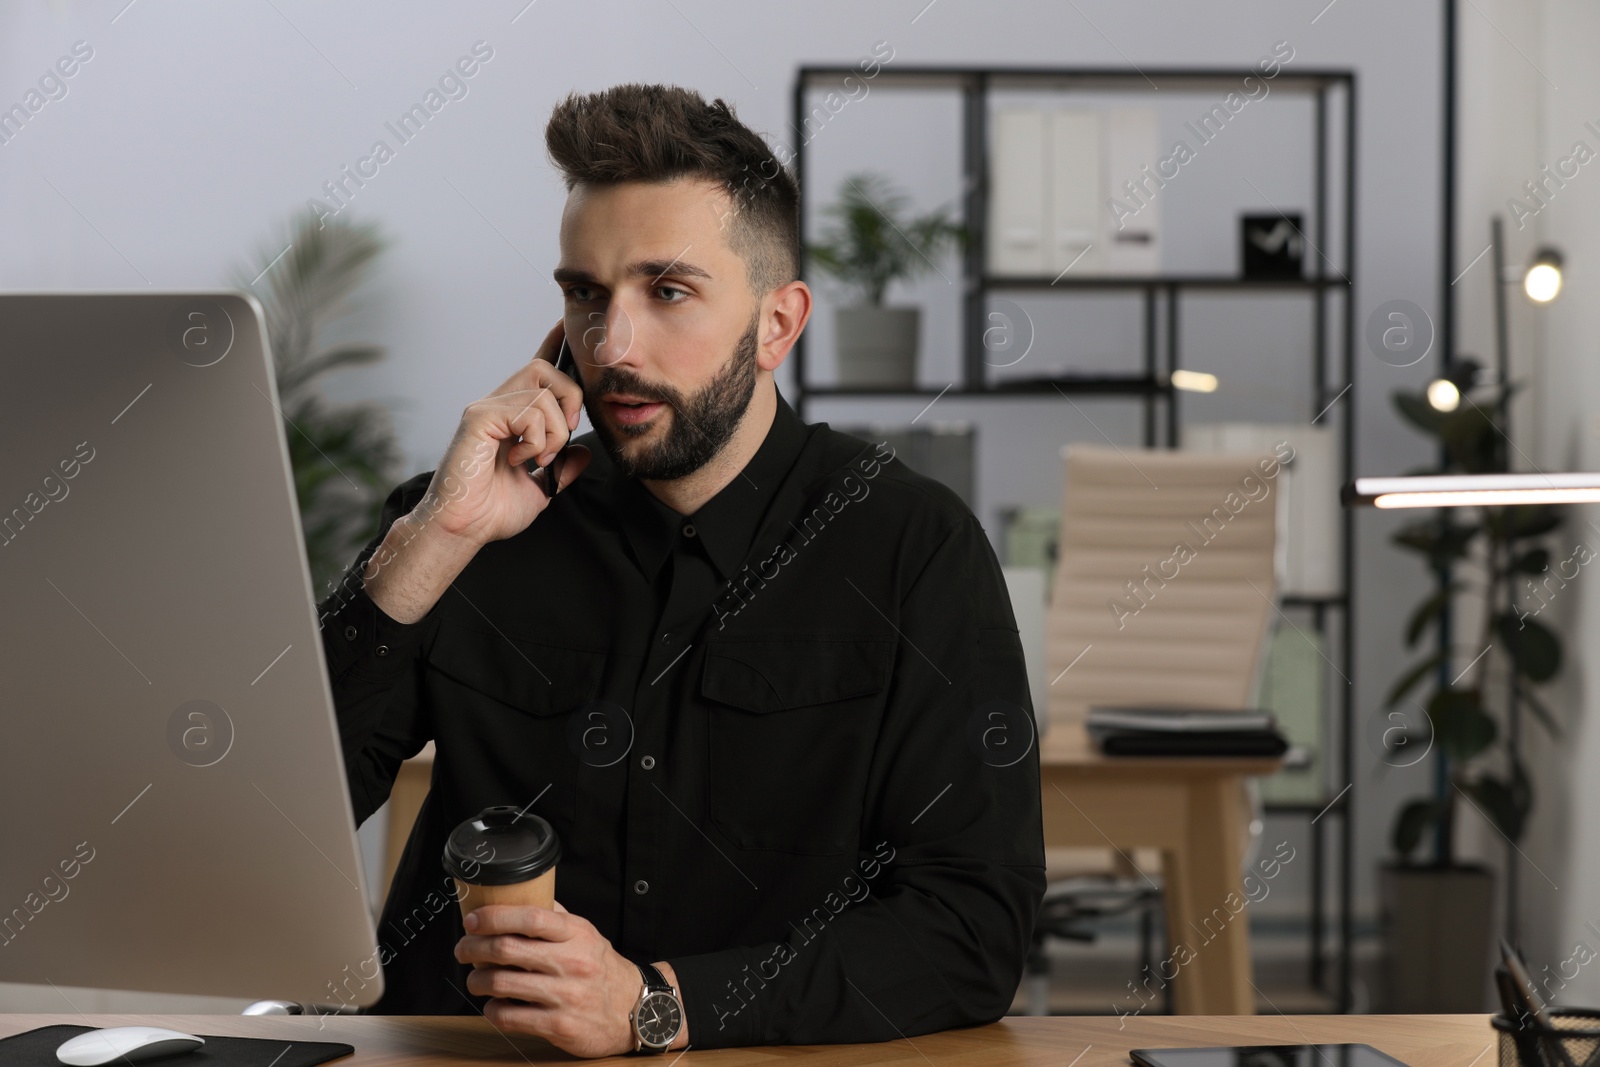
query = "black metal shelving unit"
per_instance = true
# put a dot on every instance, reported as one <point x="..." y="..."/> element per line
<point x="1332" y="367"/>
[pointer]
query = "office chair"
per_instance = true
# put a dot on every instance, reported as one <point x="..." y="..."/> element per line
<point x="1164" y="588"/>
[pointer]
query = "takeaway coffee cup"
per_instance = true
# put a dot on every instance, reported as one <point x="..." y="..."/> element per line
<point x="502" y="857"/>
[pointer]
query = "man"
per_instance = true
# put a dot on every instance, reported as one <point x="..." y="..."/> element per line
<point x="762" y="679"/>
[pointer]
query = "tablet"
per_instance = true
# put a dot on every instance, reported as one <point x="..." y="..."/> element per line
<point x="1265" y="1056"/>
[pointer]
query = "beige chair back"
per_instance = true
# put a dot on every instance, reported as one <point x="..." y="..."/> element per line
<point x="1165" y="580"/>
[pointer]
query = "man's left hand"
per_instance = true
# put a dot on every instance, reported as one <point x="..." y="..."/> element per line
<point x="553" y="975"/>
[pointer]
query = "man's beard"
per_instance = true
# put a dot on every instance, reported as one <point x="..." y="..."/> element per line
<point x="701" y="424"/>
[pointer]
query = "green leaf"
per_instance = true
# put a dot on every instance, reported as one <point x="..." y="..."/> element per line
<point x="1532" y="646"/>
<point x="1441" y="540"/>
<point x="1415" y="409"/>
<point x="1473" y="439"/>
<point x="1504" y="803"/>
<point x="334" y="359"/>
<point x="1414" y="819"/>
<point x="1459" y="723"/>
<point x="874" y="240"/>
<point x="1429" y="610"/>
<point x="1540" y="712"/>
<point x="1532" y="520"/>
<point x="1409" y="680"/>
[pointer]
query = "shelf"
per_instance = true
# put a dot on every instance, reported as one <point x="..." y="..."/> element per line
<point x="1173" y="79"/>
<point x="1161" y="299"/>
<point x="1101" y="385"/>
<point x="1162" y="281"/>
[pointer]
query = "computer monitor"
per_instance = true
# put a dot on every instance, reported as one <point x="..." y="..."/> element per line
<point x="173" y="809"/>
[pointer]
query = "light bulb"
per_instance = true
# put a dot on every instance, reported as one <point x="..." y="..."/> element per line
<point x="1194" y="381"/>
<point x="1443" y="395"/>
<point x="1542" y="283"/>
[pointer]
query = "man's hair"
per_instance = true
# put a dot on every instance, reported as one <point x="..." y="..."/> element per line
<point x="659" y="133"/>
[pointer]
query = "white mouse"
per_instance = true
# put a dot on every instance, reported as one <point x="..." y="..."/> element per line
<point x="131" y="1044"/>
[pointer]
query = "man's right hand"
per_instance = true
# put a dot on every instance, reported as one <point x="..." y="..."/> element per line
<point x="482" y="491"/>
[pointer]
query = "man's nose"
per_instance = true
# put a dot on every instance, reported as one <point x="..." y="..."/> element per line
<point x="610" y="335"/>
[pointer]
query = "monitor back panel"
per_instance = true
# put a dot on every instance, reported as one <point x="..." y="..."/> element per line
<point x="173" y="808"/>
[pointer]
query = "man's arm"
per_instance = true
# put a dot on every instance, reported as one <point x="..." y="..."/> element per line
<point x="371" y="661"/>
<point x="932" y="930"/>
<point x="431" y="528"/>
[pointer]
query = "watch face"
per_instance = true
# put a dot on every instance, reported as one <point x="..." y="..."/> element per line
<point x="658" y="1019"/>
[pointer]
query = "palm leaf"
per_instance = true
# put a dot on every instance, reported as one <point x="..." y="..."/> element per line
<point x="344" y="457"/>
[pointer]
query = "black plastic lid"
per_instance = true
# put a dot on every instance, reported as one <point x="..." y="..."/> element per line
<point x="500" y="847"/>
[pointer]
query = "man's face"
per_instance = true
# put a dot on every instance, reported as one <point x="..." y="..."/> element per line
<point x="661" y="320"/>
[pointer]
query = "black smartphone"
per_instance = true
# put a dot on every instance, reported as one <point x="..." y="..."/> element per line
<point x="1264" y="1056"/>
<point x="549" y="476"/>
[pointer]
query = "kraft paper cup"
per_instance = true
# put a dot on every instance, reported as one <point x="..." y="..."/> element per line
<point x="502" y="857"/>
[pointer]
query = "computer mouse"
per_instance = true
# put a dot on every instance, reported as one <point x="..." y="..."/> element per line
<point x="131" y="1044"/>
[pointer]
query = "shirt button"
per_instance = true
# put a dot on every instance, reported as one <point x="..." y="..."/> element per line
<point x="647" y="762"/>
<point x="349" y="633"/>
<point x="381" y="650"/>
<point x="666" y="638"/>
<point x="641" y="887"/>
<point x="688" y="529"/>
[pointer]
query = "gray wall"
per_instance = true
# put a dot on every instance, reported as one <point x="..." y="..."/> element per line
<point x="197" y="126"/>
<point x="1536" y="89"/>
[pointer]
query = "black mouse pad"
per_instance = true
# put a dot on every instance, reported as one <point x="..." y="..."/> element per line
<point x="37" y="1048"/>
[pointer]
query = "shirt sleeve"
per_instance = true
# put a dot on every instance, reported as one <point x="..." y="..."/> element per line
<point x="932" y="928"/>
<point x="372" y="668"/>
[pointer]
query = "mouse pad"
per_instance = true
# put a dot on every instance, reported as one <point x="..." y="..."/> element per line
<point x="37" y="1048"/>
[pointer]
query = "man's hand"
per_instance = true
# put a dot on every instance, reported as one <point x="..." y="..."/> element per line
<point x="481" y="491"/>
<point x="530" y="416"/>
<point x="553" y="975"/>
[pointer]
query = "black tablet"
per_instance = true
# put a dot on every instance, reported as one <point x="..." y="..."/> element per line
<point x="1264" y="1056"/>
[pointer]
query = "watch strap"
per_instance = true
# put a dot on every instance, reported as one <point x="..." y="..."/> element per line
<point x="654" y="980"/>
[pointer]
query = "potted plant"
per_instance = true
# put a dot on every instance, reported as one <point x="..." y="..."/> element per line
<point x="344" y="456"/>
<point x="1438" y="910"/>
<point x="873" y="241"/>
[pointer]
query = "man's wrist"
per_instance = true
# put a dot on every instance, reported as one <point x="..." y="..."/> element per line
<point x="413" y="566"/>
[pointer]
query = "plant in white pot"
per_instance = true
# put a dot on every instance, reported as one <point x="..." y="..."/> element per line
<point x="873" y="241"/>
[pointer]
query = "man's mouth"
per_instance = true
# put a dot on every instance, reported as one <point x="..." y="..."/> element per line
<point x="631" y="410"/>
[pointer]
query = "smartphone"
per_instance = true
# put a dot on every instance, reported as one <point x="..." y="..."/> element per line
<point x="1265" y="1056"/>
<point x="549" y="476"/>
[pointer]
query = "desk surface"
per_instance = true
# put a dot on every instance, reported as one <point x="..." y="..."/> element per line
<point x="424" y="1041"/>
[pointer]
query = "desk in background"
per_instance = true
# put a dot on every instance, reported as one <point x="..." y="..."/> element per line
<point x="1102" y="1041"/>
<point x="1192" y="809"/>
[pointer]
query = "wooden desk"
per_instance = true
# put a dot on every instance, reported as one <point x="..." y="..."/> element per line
<point x="438" y="1041"/>
<point x="1193" y="810"/>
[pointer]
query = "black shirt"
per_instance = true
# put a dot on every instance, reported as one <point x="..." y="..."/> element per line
<point x="786" y="741"/>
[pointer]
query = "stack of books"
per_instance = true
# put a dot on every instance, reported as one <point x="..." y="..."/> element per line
<point x="1170" y="731"/>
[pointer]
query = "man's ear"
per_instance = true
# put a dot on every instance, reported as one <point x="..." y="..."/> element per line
<point x="785" y="312"/>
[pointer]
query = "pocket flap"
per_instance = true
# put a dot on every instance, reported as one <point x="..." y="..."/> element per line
<point x="774" y="673"/>
<point x="532" y="676"/>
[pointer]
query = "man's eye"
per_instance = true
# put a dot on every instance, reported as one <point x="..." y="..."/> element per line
<point x="672" y="289"/>
<point x="580" y="293"/>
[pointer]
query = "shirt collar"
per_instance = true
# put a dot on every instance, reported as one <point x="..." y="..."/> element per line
<point x="727" y="523"/>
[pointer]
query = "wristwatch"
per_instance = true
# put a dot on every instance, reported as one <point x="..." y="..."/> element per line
<point x="658" y="1016"/>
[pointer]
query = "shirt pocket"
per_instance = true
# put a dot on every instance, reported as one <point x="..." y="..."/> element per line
<point x="502" y="710"/>
<point x="792" y="721"/>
